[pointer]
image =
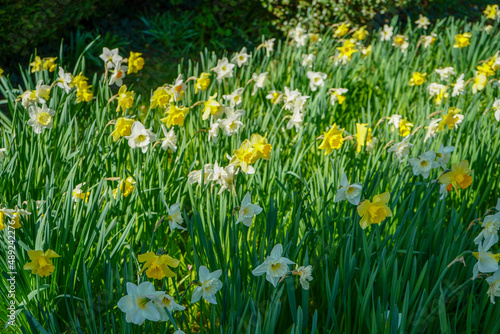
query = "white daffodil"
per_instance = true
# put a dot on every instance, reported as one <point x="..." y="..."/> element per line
<point x="494" y="283"/>
<point x="197" y="175"/>
<point x="170" y="140"/>
<point x="308" y="60"/>
<point x="305" y="276"/>
<point x="40" y="118"/>
<point x="231" y="124"/>
<point x="64" y="80"/>
<point x="487" y="262"/>
<point x="213" y="131"/>
<point x="401" y="149"/>
<point x="178" y="88"/>
<point x="274" y="266"/>
<point x="349" y="192"/>
<point x="234" y="98"/>
<point x="119" y="73"/>
<point x="140" y="137"/>
<point x="269" y="46"/>
<point x="209" y="286"/>
<point x="175" y="217"/>
<point x="223" y="69"/>
<point x="445" y="73"/>
<point x="428" y="40"/>
<point x="394" y="120"/>
<point x="422" y="22"/>
<point x="299" y="35"/>
<point x="459" y="87"/>
<point x="247" y="210"/>
<point x="496" y="107"/>
<point x="260" y="81"/>
<point x="316" y="79"/>
<point x="432" y="129"/>
<point x="338" y="95"/>
<point x="111" y="58"/>
<point x="444" y="155"/>
<point x="164" y="300"/>
<point x="489" y="235"/>
<point x="386" y="33"/>
<point x="79" y="194"/>
<point x="435" y="89"/>
<point x="424" y="164"/>
<point x="139" y="303"/>
<point x="226" y="178"/>
<point x="241" y="58"/>
<point x="296" y="120"/>
<point x="38" y="96"/>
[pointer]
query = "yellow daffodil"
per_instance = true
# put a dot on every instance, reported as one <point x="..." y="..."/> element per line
<point x="333" y="139"/>
<point x="1" y="72"/>
<point x="83" y="92"/>
<point x="175" y="115"/>
<point x="202" y="82"/>
<point x="491" y="12"/>
<point x="462" y="40"/>
<point x="41" y="262"/>
<point x="261" y="145"/>
<point x="36" y="65"/>
<point x="211" y="107"/>
<point x="125" y="99"/>
<point x="157" y="266"/>
<point x="123" y="128"/>
<point x="342" y="30"/>
<point x="361" y="135"/>
<point x="360" y="34"/>
<point x="126" y="187"/>
<point x="49" y="63"/>
<point x="485" y="69"/>
<point x="480" y="81"/>
<point x="161" y="97"/>
<point x="347" y="50"/>
<point x="374" y="212"/>
<point x="404" y="127"/>
<point x="79" y="81"/>
<point x="417" y="78"/>
<point x="135" y="62"/>
<point x="459" y="176"/>
<point x="452" y="118"/>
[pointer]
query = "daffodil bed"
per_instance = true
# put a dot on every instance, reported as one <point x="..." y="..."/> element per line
<point x="344" y="182"/>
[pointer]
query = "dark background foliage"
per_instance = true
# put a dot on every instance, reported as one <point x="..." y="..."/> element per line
<point x="166" y="31"/>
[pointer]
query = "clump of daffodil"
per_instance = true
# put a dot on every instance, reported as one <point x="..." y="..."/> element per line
<point x="175" y="115"/>
<point x="417" y="78"/>
<point x="135" y="62"/>
<point x="333" y="139"/>
<point x="125" y="99"/>
<point x="43" y="64"/>
<point x="157" y="266"/>
<point x="202" y="82"/>
<point x="462" y="40"/>
<point x="83" y="92"/>
<point x="123" y="128"/>
<point x="451" y="119"/>
<point x="458" y="177"/>
<point x="374" y="212"/>
<point x="342" y="30"/>
<point x="126" y="187"/>
<point x="41" y="262"/>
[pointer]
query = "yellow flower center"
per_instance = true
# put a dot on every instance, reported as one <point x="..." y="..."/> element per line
<point x="141" y="302"/>
<point x="43" y="118"/>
